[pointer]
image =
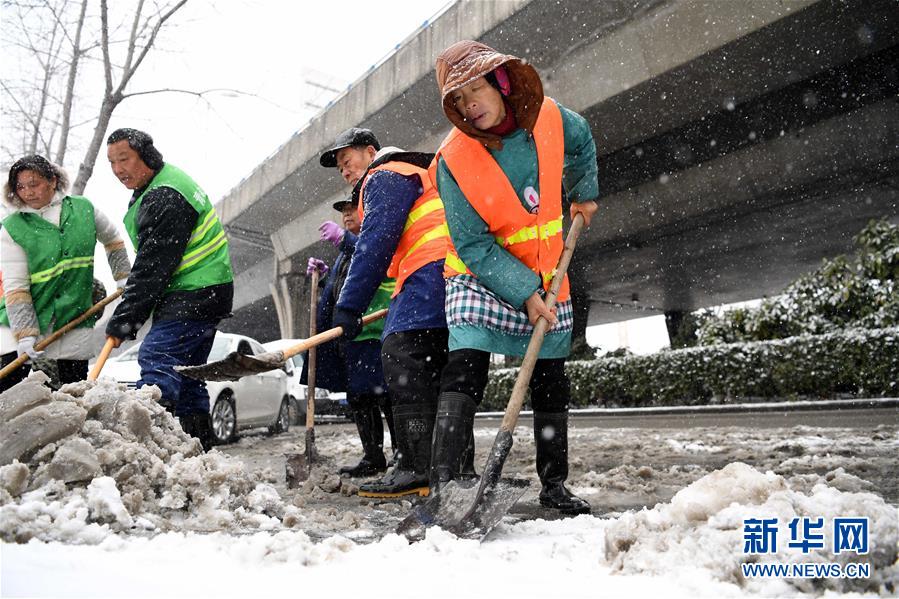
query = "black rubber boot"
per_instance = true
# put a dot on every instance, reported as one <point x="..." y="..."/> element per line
<point x="187" y="424"/>
<point x="452" y="434"/>
<point x="414" y="427"/>
<point x="203" y="430"/>
<point x="387" y="408"/>
<point x="199" y="426"/>
<point x="551" y="439"/>
<point x="467" y="471"/>
<point x="371" y="433"/>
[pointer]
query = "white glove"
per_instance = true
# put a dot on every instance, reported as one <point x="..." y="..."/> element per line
<point x="26" y="348"/>
<point x="120" y="284"/>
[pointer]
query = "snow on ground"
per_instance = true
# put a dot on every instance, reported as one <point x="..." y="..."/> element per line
<point x="127" y="505"/>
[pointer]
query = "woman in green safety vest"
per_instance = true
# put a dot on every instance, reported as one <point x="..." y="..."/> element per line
<point x="47" y="258"/>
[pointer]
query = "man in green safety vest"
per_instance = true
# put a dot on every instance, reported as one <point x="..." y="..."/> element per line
<point x="181" y="275"/>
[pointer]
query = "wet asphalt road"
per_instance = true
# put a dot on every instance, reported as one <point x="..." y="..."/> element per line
<point x="857" y="418"/>
<point x="865" y="418"/>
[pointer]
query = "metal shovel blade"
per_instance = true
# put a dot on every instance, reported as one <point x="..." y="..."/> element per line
<point x="297" y="469"/>
<point x="299" y="465"/>
<point x="449" y="509"/>
<point x="234" y="366"/>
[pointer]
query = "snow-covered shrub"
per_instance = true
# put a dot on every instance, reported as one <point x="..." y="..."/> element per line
<point x="851" y="362"/>
<point x="862" y="291"/>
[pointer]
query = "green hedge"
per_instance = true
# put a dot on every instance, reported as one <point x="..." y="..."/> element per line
<point x="859" y="362"/>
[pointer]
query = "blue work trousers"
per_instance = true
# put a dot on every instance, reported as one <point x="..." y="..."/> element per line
<point x="171" y="343"/>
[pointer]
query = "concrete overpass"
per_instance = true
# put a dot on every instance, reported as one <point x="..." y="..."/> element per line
<point x="739" y="144"/>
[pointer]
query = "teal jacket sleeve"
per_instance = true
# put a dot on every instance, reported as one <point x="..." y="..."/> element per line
<point x="496" y="268"/>
<point x="580" y="175"/>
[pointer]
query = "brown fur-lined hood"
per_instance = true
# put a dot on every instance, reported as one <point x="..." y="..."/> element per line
<point x="11" y="201"/>
<point x="465" y="61"/>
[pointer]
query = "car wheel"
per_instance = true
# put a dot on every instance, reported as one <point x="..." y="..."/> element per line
<point x="282" y="424"/>
<point x="297" y="411"/>
<point x="224" y="419"/>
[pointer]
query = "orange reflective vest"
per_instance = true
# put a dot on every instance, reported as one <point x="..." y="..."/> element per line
<point x="535" y="239"/>
<point x="425" y="236"/>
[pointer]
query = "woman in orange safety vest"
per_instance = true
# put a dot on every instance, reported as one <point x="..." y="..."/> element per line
<point x="501" y="173"/>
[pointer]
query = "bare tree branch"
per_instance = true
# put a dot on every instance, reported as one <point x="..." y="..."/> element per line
<point x="26" y="114"/>
<point x="115" y="93"/>
<point x="70" y="86"/>
<point x="132" y="42"/>
<point x="165" y="17"/>
<point x="42" y="44"/>
<point x="55" y="42"/>
<point x="104" y="45"/>
<point x="190" y="92"/>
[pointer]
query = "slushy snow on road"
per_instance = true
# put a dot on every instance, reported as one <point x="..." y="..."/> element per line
<point x="122" y="503"/>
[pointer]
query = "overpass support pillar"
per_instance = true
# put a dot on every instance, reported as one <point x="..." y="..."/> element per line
<point x="673" y="321"/>
<point x="291" y="293"/>
<point x="580" y="298"/>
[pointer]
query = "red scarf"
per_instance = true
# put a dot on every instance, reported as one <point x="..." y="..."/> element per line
<point x="508" y="125"/>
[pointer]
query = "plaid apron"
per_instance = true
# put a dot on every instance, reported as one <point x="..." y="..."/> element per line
<point x="468" y="302"/>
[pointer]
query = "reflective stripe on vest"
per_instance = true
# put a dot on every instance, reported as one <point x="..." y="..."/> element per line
<point x="191" y="257"/>
<point x="535" y="239"/>
<point x="542" y="232"/>
<point x="454" y="265"/>
<point x="425" y="235"/>
<point x="45" y="275"/>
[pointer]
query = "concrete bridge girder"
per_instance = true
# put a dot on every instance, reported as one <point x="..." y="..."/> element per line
<point x="765" y="170"/>
<point x="757" y="214"/>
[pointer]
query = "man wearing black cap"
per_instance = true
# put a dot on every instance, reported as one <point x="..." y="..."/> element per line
<point x="181" y="275"/>
<point x="353" y="366"/>
<point x="353" y="151"/>
<point x="403" y="236"/>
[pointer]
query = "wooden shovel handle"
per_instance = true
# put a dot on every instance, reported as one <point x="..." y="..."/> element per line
<point x="522" y="381"/>
<point x="43" y="343"/>
<point x="310" y="374"/>
<point x="101" y="359"/>
<point x="328" y="335"/>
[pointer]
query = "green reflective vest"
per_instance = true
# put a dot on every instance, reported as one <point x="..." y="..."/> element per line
<point x="60" y="261"/>
<point x="381" y="300"/>
<point x="206" y="261"/>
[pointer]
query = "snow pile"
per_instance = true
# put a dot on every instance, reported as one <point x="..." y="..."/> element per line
<point x="94" y="458"/>
<point x="700" y="532"/>
<point x="690" y="547"/>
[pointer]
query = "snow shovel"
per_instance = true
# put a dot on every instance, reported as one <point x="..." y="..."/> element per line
<point x="235" y="365"/>
<point x="473" y="511"/>
<point x="299" y="465"/>
<point x="43" y="343"/>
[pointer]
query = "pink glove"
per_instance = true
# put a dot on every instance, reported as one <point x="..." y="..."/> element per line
<point x="331" y="231"/>
<point x="316" y="264"/>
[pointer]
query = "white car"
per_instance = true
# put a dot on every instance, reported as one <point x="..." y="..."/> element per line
<point x="260" y="400"/>
<point x="325" y="402"/>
